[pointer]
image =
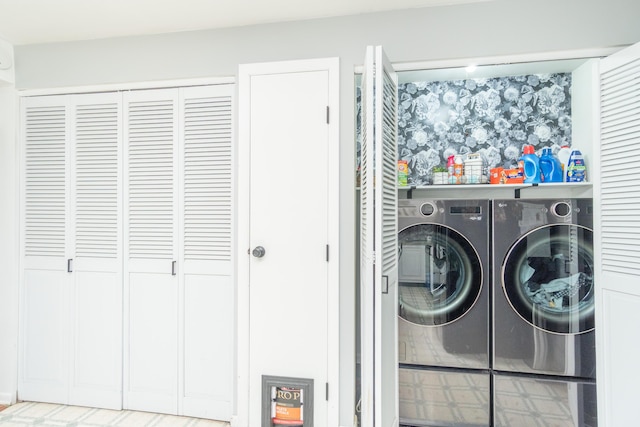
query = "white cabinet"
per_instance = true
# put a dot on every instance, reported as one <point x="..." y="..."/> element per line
<point x="127" y="251"/>
<point x="71" y="323"/>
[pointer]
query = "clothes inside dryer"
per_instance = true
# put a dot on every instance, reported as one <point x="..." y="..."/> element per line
<point x="438" y="275"/>
<point x="548" y="278"/>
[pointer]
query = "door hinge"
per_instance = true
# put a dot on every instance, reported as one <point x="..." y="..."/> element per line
<point x="327" y="390"/>
<point x="327" y="114"/>
<point x="327" y="253"/>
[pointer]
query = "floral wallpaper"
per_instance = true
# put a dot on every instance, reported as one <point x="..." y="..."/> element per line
<point x="495" y="117"/>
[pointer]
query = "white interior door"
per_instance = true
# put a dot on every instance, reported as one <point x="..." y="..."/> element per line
<point x="207" y="295"/>
<point x="379" y="234"/>
<point x="44" y="320"/>
<point x="96" y="262"/>
<point x="618" y="256"/>
<point x="292" y="216"/>
<point x="151" y="250"/>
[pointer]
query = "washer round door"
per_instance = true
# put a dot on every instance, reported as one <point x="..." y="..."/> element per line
<point x="547" y="277"/>
<point x="439" y="275"/>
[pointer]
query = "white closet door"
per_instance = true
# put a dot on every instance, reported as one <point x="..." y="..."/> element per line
<point x="96" y="288"/>
<point x="618" y="303"/>
<point x="379" y="233"/>
<point x="151" y="241"/>
<point x="44" y="320"/>
<point x="207" y="309"/>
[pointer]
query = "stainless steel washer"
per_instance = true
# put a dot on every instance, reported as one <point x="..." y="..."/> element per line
<point x="543" y="310"/>
<point x="443" y="325"/>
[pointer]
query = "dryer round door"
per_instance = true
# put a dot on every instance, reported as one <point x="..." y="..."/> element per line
<point x="439" y="275"/>
<point x="547" y="277"/>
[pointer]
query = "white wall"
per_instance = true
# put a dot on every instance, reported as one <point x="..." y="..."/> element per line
<point x="8" y="248"/>
<point x="494" y="28"/>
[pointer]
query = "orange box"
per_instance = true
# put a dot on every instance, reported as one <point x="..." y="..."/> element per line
<point x="512" y="176"/>
<point x="495" y="175"/>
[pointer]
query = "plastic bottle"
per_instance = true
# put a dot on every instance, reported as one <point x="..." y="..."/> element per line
<point x="550" y="166"/>
<point x="450" y="163"/>
<point x="576" y="168"/>
<point x="563" y="156"/>
<point x="530" y="166"/>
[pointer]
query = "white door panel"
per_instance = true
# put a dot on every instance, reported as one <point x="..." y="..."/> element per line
<point x="151" y="230"/>
<point x="44" y="337"/>
<point x="379" y="232"/>
<point x="618" y="257"/>
<point x="289" y="205"/>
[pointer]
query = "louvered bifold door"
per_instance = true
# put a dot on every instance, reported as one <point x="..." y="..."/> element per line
<point x="618" y="305"/>
<point x="151" y="238"/>
<point x="96" y="264"/>
<point x="379" y="273"/>
<point x="44" y="308"/>
<point x="207" y="292"/>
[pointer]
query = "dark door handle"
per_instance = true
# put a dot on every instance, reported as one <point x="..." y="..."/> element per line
<point x="258" y="252"/>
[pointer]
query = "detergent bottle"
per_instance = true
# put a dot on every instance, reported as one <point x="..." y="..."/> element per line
<point x="576" y="168"/>
<point x="563" y="155"/>
<point x="550" y="166"/>
<point x="530" y="166"/>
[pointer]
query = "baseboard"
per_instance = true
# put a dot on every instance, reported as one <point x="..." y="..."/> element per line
<point x="7" y="398"/>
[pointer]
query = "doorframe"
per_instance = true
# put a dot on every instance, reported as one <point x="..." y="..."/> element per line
<point x="243" y="167"/>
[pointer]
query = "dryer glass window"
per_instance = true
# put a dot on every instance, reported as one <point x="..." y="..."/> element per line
<point x="440" y="275"/>
<point x="548" y="278"/>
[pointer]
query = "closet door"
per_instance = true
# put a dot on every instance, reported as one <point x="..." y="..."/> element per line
<point x="96" y="263"/>
<point x="71" y="333"/>
<point x="618" y="262"/>
<point x="207" y="301"/>
<point x="44" y="319"/>
<point x="151" y="251"/>
<point x="379" y="243"/>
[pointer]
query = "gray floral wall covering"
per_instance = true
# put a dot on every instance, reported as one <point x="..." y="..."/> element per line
<point x="495" y="117"/>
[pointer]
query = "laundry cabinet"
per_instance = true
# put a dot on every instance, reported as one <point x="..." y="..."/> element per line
<point x="127" y="284"/>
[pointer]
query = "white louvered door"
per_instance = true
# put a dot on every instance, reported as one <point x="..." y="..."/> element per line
<point x="151" y="251"/>
<point x="179" y="294"/>
<point x="71" y="336"/>
<point x="96" y="262"/>
<point x="379" y="233"/>
<point x="207" y="307"/>
<point x="45" y="302"/>
<point x="618" y="255"/>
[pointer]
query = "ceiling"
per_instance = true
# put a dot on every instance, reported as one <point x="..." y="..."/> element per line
<point x="45" y="21"/>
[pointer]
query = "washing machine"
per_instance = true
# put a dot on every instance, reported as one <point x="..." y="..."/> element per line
<point x="443" y="309"/>
<point x="543" y="312"/>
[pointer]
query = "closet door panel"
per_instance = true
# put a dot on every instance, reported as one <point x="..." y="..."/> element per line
<point x="96" y="188"/>
<point x="208" y="303"/>
<point x="151" y="280"/>
<point x="44" y="319"/>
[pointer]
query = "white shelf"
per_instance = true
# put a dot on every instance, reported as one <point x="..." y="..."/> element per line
<point x="492" y="191"/>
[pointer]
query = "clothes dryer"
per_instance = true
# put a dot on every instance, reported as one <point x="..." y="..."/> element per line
<point x="543" y="310"/>
<point x="443" y="307"/>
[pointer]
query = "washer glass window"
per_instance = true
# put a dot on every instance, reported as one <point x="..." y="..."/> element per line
<point x="440" y="275"/>
<point x="548" y="278"/>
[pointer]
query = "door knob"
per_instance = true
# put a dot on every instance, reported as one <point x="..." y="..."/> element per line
<point x="258" y="252"/>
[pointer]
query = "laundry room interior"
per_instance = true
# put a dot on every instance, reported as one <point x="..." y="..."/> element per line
<point x="495" y="297"/>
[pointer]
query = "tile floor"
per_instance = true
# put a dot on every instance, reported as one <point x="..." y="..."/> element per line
<point x="49" y="415"/>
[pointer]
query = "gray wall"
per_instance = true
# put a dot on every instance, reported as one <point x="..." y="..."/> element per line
<point x="493" y="28"/>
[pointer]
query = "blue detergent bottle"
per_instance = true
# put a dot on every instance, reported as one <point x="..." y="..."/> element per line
<point x="550" y="166"/>
<point x="531" y="166"/>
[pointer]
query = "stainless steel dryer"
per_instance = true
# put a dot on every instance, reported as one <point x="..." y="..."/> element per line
<point x="443" y="325"/>
<point x="543" y="312"/>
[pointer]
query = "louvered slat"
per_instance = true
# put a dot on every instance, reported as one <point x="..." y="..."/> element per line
<point x="207" y="178"/>
<point x="96" y="180"/>
<point x="45" y="175"/>
<point x="620" y="137"/>
<point x="151" y="185"/>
